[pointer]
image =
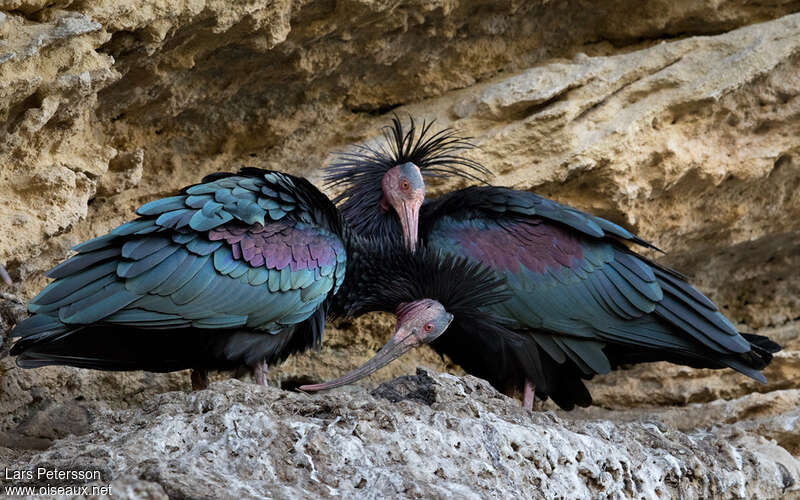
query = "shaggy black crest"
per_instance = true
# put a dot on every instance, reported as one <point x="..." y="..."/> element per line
<point x="436" y="155"/>
<point x="360" y="172"/>
<point x="386" y="274"/>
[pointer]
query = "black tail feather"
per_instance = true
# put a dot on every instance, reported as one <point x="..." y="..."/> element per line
<point x="762" y="344"/>
<point x="127" y="349"/>
<point x="562" y="382"/>
<point x="567" y="389"/>
<point x="748" y="363"/>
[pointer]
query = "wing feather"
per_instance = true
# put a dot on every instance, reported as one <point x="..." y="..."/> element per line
<point x="182" y="263"/>
<point x="576" y="292"/>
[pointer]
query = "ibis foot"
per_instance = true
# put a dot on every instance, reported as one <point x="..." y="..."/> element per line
<point x="528" y="395"/>
<point x="199" y="379"/>
<point x="260" y="370"/>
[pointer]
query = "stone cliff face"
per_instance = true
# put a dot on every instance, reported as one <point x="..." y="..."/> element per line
<point x="679" y="120"/>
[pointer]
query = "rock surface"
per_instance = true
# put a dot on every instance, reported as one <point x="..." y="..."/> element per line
<point x="680" y="120"/>
<point x="440" y="437"/>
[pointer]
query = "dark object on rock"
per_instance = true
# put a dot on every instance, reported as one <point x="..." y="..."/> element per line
<point x="417" y="388"/>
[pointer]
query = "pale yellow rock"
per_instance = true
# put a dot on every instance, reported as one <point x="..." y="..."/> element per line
<point x="679" y="120"/>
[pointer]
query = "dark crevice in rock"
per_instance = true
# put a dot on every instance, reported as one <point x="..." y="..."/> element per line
<point x="16" y="114"/>
<point x="640" y="42"/>
<point x="375" y="110"/>
<point x="292" y="383"/>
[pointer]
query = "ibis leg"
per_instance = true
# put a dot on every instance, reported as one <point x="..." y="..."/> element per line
<point x="4" y="276"/>
<point x="199" y="379"/>
<point x="260" y="373"/>
<point x="528" y="395"/>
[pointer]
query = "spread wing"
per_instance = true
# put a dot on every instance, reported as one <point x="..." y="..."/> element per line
<point x="578" y="291"/>
<point x="253" y="250"/>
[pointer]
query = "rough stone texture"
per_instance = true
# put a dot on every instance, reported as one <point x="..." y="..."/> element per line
<point x="461" y="440"/>
<point x="680" y="120"/>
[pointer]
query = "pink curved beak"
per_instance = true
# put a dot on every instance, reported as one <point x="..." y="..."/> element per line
<point x="409" y="220"/>
<point x="403" y="340"/>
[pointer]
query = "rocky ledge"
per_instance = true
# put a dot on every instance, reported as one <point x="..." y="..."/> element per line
<point x="424" y="436"/>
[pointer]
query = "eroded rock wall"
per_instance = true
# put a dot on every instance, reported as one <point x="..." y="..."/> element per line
<point x="679" y="120"/>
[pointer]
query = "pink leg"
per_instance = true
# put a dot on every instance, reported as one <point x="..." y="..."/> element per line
<point x="199" y="380"/>
<point x="4" y="276"/>
<point x="260" y="373"/>
<point x="528" y="395"/>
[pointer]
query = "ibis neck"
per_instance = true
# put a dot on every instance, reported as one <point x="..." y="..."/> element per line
<point x="369" y="271"/>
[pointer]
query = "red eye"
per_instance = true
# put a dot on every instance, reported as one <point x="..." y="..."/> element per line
<point x="404" y="185"/>
<point x="428" y="327"/>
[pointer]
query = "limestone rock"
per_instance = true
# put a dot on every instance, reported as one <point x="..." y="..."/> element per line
<point x="464" y="440"/>
<point x="679" y="120"/>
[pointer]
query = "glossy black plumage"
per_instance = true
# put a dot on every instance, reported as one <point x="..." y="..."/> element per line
<point x="606" y="307"/>
<point x="387" y="274"/>
<point x="237" y="270"/>
<point x="581" y="301"/>
<point x="383" y="274"/>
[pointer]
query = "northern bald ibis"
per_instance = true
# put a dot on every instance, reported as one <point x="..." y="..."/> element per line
<point x="237" y="270"/>
<point x="582" y="301"/>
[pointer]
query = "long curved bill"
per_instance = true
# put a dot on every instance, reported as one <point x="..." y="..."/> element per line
<point x="409" y="220"/>
<point x="403" y="340"/>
